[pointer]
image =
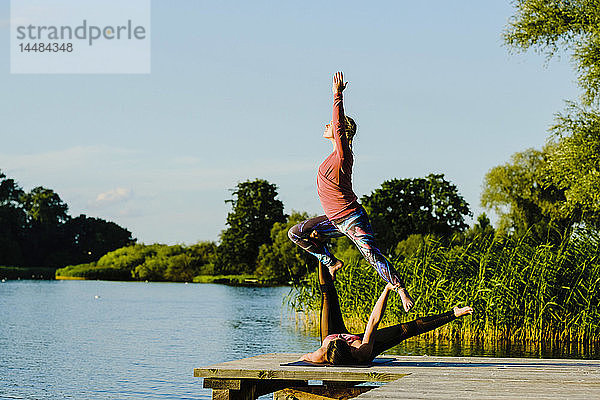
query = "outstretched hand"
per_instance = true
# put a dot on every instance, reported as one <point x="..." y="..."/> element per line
<point x="338" y="82"/>
<point x="407" y="301"/>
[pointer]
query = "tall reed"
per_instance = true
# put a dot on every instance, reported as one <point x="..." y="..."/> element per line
<point x="520" y="290"/>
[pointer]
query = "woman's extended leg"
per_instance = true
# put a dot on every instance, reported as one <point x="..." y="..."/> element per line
<point x="389" y="337"/>
<point x="358" y="228"/>
<point x="306" y="234"/>
<point x="331" y="315"/>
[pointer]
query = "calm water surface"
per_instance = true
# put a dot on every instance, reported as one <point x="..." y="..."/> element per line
<point x="130" y="340"/>
<point x="133" y="340"/>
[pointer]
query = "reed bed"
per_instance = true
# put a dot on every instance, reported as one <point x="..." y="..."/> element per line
<point x="520" y="290"/>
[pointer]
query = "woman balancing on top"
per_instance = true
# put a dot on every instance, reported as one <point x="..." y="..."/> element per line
<point x="339" y="347"/>
<point x="343" y="214"/>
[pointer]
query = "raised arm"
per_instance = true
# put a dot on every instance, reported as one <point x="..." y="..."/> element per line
<point x="341" y="142"/>
<point x="366" y="348"/>
<point x="377" y="314"/>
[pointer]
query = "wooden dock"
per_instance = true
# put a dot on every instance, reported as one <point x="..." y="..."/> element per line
<point x="406" y="377"/>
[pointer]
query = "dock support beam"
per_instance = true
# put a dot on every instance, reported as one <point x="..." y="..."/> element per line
<point x="320" y="393"/>
<point x="246" y="389"/>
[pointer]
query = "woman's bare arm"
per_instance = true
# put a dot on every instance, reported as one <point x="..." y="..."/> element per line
<point x="341" y="142"/>
<point x="317" y="356"/>
<point x="366" y="348"/>
<point x="377" y="314"/>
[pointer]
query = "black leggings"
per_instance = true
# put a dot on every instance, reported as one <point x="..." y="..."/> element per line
<point x="385" y="338"/>
<point x="331" y="316"/>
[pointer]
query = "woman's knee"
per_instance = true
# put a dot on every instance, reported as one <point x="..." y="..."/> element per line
<point x="294" y="233"/>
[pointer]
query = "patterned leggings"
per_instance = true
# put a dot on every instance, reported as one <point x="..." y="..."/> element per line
<point x="357" y="227"/>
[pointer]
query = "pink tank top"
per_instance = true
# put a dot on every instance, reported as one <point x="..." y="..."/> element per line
<point x="349" y="338"/>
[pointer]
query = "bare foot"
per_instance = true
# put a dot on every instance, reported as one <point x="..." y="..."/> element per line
<point x="333" y="269"/>
<point x="459" y="312"/>
<point x="407" y="301"/>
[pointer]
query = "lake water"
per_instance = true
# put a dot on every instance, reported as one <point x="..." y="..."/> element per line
<point x="134" y="340"/>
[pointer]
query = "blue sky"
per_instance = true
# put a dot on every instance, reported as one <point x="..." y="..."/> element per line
<point x="241" y="90"/>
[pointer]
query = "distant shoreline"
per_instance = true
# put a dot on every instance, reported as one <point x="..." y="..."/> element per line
<point x="33" y="273"/>
<point x="13" y="273"/>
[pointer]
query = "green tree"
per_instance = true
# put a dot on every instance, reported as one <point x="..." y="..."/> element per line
<point x="130" y="257"/>
<point x="181" y="268"/>
<point x="10" y="191"/>
<point x="205" y="253"/>
<point x="523" y="197"/>
<point x="402" y="207"/>
<point x="153" y="269"/>
<point x="157" y="261"/>
<point x="87" y="239"/>
<point x="36" y="230"/>
<point x="46" y="212"/>
<point x="553" y="26"/>
<point x="483" y="226"/>
<point x="45" y="207"/>
<point x="196" y="260"/>
<point x="12" y="222"/>
<point x="574" y="163"/>
<point x="281" y="260"/>
<point x="254" y="211"/>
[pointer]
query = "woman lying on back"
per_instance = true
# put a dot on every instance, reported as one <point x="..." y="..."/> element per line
<point x="340" y="347"/>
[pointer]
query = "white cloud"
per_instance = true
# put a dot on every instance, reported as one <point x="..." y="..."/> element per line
<point x="112" y="196"/>
<point x="140" y="189"/>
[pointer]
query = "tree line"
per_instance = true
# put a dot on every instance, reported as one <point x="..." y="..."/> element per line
<point x="37" y="231"/>
<point x="255" y="242"/>
<point x="549" y="194"/>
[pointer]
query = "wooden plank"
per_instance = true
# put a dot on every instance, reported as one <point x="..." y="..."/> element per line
<point x="268" y="366"/>
<point x="428" y="377"/>
<point x="330" y="374"/>
<point x="484" y="389"/>
<point x="505" y="379"/>
<point x="235" y="384"/>
<point x="246" y="391"/>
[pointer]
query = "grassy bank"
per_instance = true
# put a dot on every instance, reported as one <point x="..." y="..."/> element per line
<point x="519" y="290"/>
<point x="93" y="272"/>
<point x="157" y="263"/>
